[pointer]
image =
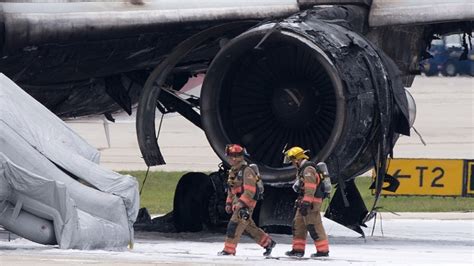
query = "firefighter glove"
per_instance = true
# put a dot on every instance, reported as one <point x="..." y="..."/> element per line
<point x="236" y="207"/>
<point x="244" y="213"/>
<point x="228" y="208"/>
<point x="304" y="208"/>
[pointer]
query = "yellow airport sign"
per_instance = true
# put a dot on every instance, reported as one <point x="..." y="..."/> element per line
<point x="470" y="178"/>
<point x="435" y="177"/>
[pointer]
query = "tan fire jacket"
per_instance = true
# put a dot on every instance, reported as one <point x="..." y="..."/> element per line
<point x="242" y="183"/>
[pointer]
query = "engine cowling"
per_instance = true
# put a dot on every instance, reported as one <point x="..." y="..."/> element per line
<point x="304" y="82"/>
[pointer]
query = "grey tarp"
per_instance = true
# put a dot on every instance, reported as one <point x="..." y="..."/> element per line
<point x="49" y="176"/>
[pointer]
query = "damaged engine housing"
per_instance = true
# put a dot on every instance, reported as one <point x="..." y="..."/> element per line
<point x="304" y="82"/>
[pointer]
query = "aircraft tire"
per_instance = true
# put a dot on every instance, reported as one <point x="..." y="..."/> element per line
<point x="190" y="206"/>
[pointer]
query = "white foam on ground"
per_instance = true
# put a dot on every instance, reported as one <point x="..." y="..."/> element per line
<point x="395" y="242"/>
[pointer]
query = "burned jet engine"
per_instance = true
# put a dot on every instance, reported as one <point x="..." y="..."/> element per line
<point x="305" y="82"/>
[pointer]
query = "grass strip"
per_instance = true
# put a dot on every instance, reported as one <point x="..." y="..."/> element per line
<point x="158" y="195"/>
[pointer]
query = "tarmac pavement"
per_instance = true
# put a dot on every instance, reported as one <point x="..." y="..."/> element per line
<point x="391" y="241"/>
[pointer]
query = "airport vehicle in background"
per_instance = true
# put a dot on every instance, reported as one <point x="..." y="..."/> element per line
<point x="327" y="75"/>
<point x="448" y="59"/>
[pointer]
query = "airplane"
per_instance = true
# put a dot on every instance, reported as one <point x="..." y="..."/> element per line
<point x="326" y="75"/>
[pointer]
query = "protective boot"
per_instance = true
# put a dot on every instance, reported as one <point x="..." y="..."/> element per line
<point x="224" y="253"/>
<point x="320" y="254"/>
<point x="269" y="248"/>
<point x="294" y="253"/>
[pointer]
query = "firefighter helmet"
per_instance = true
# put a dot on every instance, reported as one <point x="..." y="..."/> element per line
<point x="233" y="150"/>
<point x="295" y="153"/>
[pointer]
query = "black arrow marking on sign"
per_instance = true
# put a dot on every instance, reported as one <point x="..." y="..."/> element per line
<point x="471" y="185"/>
<point x="398" y="175"/>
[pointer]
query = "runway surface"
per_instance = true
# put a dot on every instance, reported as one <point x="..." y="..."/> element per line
<point x="409" y="239"/>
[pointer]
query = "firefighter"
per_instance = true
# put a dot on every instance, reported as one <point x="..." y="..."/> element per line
<point x="308" y="217"/>
<point x="240" y="202"/>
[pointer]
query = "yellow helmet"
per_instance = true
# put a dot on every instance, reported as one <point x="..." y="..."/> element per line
<point x="295" y="153"/>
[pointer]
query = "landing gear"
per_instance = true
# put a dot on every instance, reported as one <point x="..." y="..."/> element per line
<point x="199" y="202"/>
<point x="191" y="202"/>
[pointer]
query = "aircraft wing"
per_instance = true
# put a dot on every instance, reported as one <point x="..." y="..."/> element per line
<point x="409" y="12"/>
<point x="33" y="23"/>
